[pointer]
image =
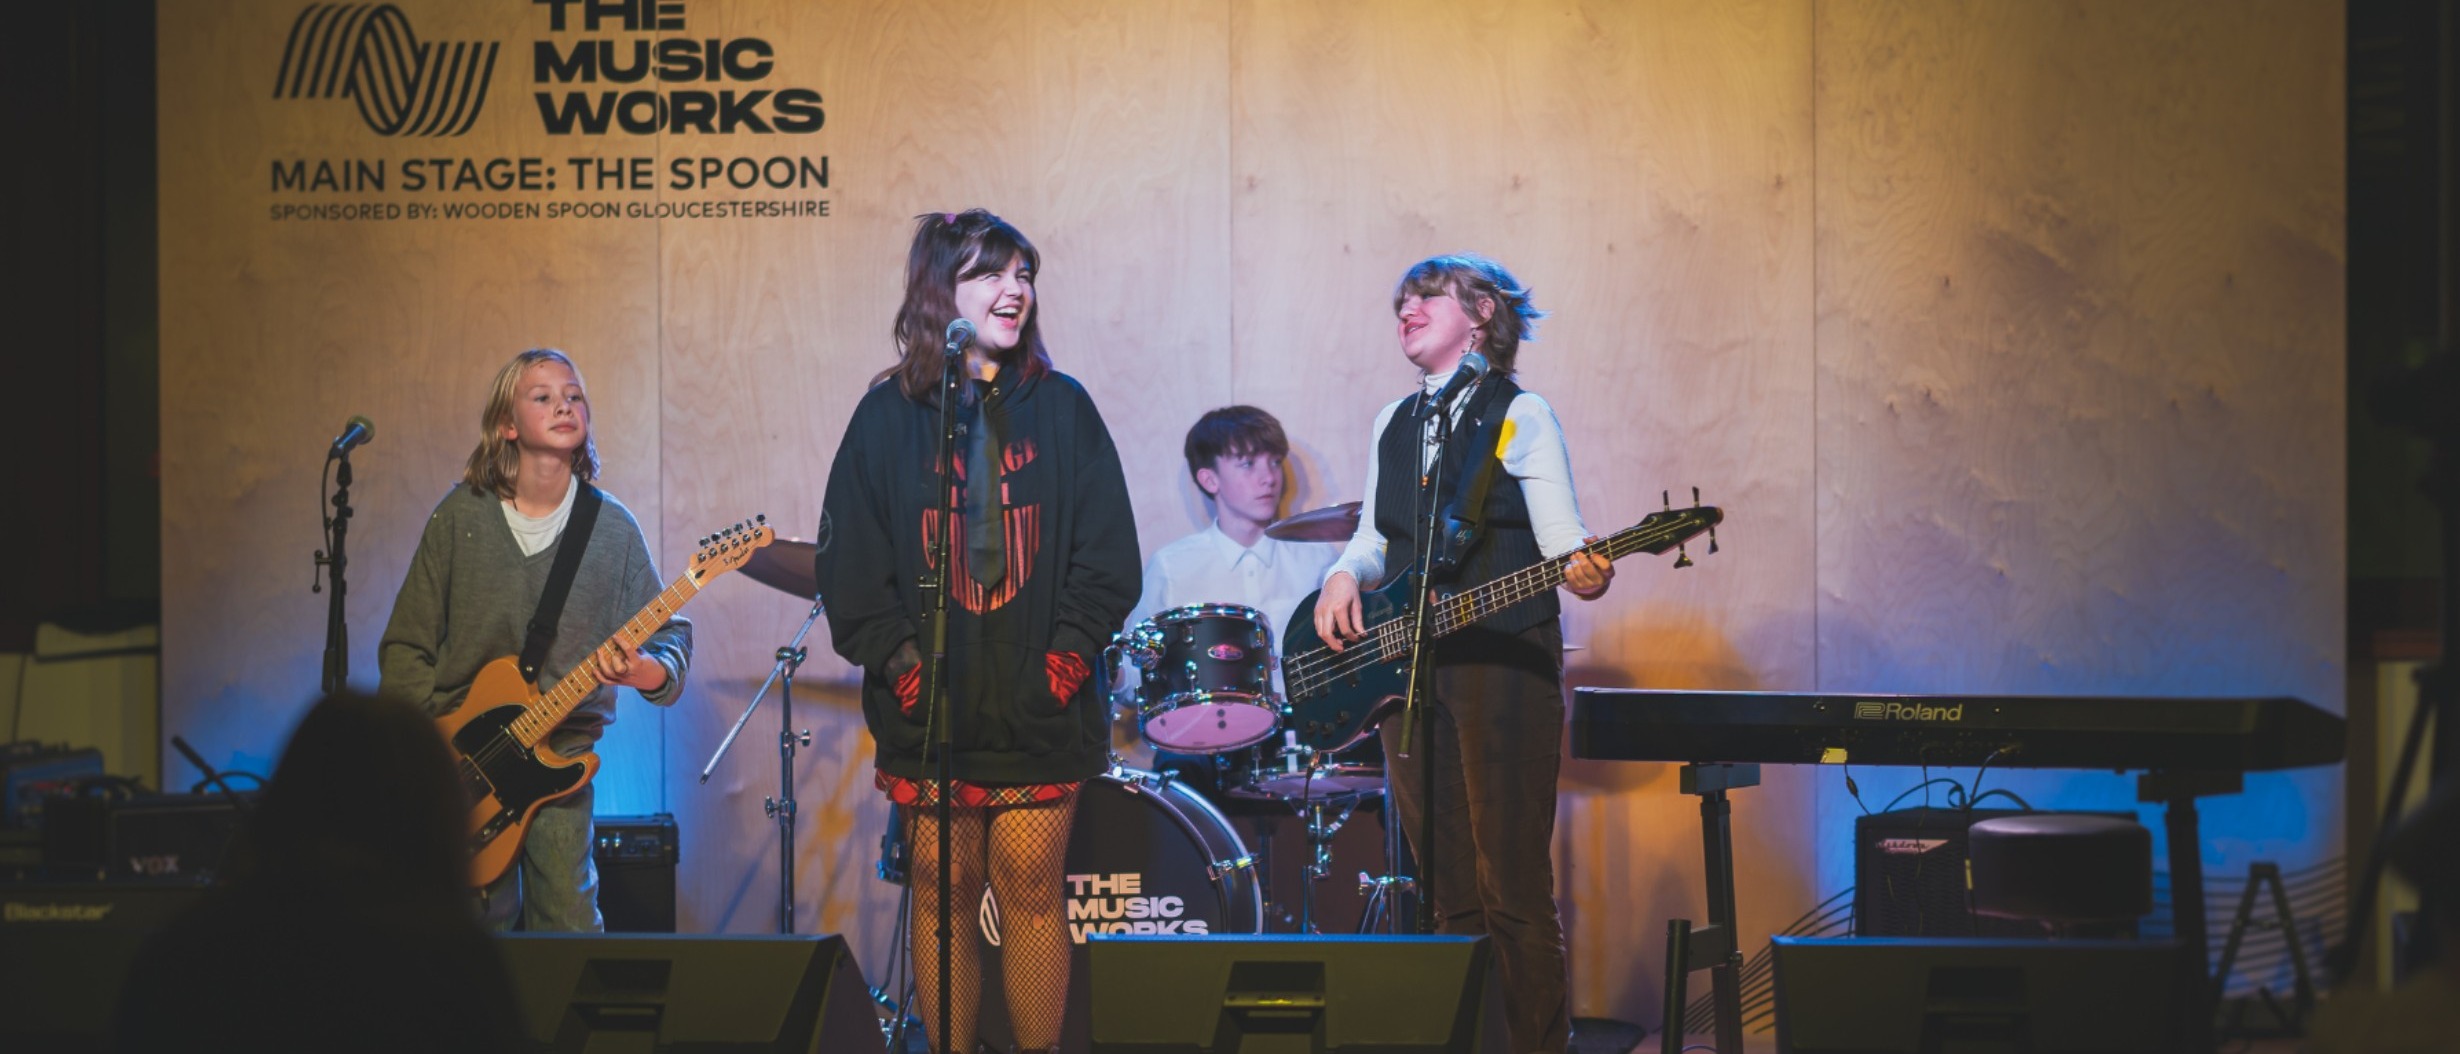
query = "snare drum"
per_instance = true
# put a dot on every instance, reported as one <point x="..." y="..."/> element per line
<point x="1208" y="678"/>
<point x="1145" y="855"/>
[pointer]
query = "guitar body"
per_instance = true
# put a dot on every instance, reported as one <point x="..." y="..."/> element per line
<point x="505" y="782"/>
<point x="1334" y="719"/>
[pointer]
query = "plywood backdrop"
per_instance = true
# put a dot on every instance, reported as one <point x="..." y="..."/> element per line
<point x="2009" y="337"/>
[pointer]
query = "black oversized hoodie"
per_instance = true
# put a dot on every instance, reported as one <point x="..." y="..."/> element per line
<point x="1073" y="574"/>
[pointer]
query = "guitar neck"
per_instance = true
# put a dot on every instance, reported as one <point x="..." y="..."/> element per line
<point x="1459" y="611"/>
<point x="557" y="703"/>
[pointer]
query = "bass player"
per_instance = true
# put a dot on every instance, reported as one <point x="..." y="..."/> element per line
<point x="1495" y="724"/>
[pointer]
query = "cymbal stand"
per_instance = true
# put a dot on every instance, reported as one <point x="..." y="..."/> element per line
<point x="781" y="808"/>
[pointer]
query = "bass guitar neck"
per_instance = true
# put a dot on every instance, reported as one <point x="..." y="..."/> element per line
<point x="1337" y="697"/>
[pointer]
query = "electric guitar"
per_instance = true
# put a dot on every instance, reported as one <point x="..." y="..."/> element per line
<point x="1335" y="697"/>
<point x="499" y="735"/>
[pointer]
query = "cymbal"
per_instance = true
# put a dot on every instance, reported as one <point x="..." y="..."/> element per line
<point x="785" y="565"/>
<point x="1332" y="523"/>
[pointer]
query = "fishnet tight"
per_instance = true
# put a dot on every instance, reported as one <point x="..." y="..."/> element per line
<point x="1027" y="847"/>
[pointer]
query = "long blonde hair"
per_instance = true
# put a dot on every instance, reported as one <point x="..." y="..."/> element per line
<point x="496" y="460"/>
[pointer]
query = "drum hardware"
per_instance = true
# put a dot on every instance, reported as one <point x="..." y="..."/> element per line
<point x="1224" y="868"/>
<point x="1320" y="832"/>
<point x="1381" y="892"/>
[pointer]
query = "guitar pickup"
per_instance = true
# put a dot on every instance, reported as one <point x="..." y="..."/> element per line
<point x="475" y="786"/>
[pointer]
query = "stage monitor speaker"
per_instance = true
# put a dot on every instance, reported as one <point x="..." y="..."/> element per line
<point x="65" y="949"/>
<point x="697" y="994"/>
<point x="1915" y="995"/>
<point x="1333" y="994"/>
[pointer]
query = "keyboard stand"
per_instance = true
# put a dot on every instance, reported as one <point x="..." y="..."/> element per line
<point x="1715" y="947"/>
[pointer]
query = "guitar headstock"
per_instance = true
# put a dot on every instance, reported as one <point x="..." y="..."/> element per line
<point x="1670" y="528"/>
<point x="731" y="548"/>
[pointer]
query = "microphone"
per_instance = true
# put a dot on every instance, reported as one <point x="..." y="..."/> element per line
<point x="960" y="334"/>
<point x="359" y="430"/>
<point x="1472" y="367"/>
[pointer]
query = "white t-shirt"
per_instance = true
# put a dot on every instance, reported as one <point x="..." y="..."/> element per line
<point x="534" y="534"/>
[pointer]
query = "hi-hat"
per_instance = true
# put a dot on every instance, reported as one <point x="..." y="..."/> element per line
<point x="785" y="565"/>
<point x="1332" y="523"/>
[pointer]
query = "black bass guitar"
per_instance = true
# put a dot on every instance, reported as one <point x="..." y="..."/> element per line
<point x="1335" y="697"/>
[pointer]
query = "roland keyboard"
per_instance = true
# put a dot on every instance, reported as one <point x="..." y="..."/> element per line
<point x="2007" y="731"/>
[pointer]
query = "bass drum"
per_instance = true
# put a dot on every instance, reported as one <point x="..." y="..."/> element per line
<point x="1145" y="855"/>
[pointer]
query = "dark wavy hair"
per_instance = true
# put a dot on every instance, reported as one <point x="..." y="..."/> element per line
<point x="1469" y="278"/>
<point x="1233" y="430"/>
<point x="950" y="247"/>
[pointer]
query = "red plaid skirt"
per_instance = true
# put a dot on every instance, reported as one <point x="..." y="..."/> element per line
<point x="971" y="795"/>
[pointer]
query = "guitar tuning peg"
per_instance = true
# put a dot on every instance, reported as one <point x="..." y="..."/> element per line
<point x="1682" y="557"/>
<point x="760" y="517"/>
<point x="1695" y="497"/>
<point x="1712" y="541"/>
<point x="703" y="542"/>
<point x="1666" y="496"/>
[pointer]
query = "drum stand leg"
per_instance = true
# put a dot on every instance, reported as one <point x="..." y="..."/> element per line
<point x="1320" y="832"/>
<point x="1384" y="909"/>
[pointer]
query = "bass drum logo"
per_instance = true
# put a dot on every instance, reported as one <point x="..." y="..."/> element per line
<point x="367" y="53"/>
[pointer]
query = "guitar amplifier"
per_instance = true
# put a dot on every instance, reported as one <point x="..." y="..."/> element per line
<point x="1909" y="876"/>
<point x="636" y="858"/>
<point x="151" y="836"/>
<point x="68" y="949"/>
<point x="31" y="772"/>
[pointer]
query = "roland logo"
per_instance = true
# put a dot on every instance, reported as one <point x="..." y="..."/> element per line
<point x="21" y="912"/>
<point x="1893" y="710"/>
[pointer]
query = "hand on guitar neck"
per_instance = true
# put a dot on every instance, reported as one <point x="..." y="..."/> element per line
<point x="1338" y="621"/>
<point x="636" y="670"/>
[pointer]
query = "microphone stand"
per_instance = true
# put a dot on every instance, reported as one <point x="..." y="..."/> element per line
<point x="332" y="560"/>
<point x="1421" y="665"/>
<point x="934" y="586"/>
<point x="780" y="808"/>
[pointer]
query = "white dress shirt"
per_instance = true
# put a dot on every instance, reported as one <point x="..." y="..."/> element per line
<point x="1533" y="455"/>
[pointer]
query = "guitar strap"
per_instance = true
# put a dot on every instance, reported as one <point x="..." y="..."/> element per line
<point x="1465" y="515"/>
<point x="577" y="529"/>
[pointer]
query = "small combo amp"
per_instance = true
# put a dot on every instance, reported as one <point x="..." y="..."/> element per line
<point x="186" y="837"/>
<point x="1909" y="876"/>
<point x="31" y="772"/>
<point x="636" y="872"/>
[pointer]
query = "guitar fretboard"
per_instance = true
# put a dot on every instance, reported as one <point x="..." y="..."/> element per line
<point x="1314" y="671"/>
<point x="549" y="710"/>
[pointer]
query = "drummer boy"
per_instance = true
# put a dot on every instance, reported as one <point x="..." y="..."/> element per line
<point x="1235" y="455"/>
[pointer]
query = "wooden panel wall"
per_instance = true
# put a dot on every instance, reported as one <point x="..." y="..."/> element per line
<point x="2008" y="339"/>
<point x="2080" y="366"/>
